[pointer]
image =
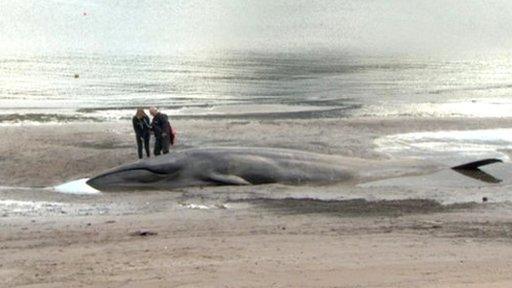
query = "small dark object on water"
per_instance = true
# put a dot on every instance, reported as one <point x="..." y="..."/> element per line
<point x="110" y="221"/>
<point x="77" y="76"/>
<point x="484" y="199"/>
<point x="143" y="233"/>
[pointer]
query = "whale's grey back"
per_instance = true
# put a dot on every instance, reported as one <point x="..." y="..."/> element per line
<point x="272" y="165"/>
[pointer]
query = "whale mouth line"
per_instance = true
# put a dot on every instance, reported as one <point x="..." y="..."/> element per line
<point x="106" y="174"/>
<point x="147" y="169"/>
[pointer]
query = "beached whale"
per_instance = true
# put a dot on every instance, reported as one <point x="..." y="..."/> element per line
<point x="250" y="166"/>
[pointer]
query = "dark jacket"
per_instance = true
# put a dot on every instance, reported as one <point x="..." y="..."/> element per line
<point x="141" y="127"/>
<point x="160" y="126"/>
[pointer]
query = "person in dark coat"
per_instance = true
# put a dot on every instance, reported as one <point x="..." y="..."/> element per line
<point x="162" y="130"/>
<point x="142" y="128"/>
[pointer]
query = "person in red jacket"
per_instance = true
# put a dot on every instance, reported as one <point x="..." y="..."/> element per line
<point x="162" y="130"/>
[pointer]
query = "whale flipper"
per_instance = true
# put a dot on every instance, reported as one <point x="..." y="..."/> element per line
<point x="228" y="179"/>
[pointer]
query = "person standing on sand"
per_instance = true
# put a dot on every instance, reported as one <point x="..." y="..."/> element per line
<point x="162" y="130"/>
<point x="142" y="128"/>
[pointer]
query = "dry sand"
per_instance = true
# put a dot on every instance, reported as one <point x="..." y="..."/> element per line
<point x="88" y="241"/>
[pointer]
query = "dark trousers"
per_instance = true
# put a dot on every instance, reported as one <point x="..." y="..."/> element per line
<point x="161" y="145"/>
<point x="140" y="140"/>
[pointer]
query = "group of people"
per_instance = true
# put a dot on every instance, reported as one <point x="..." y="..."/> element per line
<point x="159" y="126"/>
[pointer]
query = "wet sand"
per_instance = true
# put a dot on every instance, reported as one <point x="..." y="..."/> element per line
<point x="236" y="237"/>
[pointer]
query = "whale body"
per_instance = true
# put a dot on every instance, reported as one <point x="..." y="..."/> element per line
<point x="248" y="166"/>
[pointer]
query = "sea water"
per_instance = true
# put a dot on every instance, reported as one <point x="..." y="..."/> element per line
<point x="92" y="87"/>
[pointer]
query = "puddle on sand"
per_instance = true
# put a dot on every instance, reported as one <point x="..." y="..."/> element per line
<point x="204" y="207"/>
<point x="445" y="145"/>
<point x="17" y="206"/>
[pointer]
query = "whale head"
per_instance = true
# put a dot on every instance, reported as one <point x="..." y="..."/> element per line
<point x="142" y="175"/>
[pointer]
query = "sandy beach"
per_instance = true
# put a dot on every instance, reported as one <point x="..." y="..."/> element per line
<point x="260" y="236"/>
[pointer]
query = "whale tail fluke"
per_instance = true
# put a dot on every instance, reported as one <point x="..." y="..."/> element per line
<point x="472" y="170"/>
